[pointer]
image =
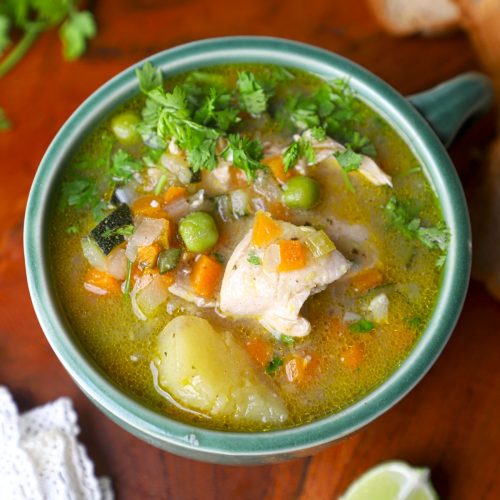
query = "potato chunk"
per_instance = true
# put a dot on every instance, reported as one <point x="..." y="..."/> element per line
<point x="210" y="372"/>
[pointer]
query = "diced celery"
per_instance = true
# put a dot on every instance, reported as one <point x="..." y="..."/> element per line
<point x="319" y="244"/>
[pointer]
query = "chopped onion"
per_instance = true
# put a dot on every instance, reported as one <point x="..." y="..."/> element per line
<point x="138" y="285"/>
<point x="117" y="264"/>
<point x="152" y="295"/>
<point x="177" y="166"/>
<point x="146" y="233"/>
<point x="379" y="308"/>
<point x="177" y="208"/>
<point x="240" y="201"/>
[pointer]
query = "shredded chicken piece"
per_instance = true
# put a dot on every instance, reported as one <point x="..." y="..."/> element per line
<point x="275" y="298"/>
<point x="368" y="168"/>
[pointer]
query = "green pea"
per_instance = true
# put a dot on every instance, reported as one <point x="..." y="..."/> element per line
<point x="198" y="232"/>
<point x="301" y="192"/>
<point x="123" y="126"/>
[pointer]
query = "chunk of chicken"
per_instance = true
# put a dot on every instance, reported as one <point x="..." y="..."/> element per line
<point x="275" y="298"/>
<point x="368" y="168"/>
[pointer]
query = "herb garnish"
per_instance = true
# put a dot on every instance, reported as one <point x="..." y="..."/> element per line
<point x="297" y="149"/>
<point x="361" y="326"/>
<point x="251" y="94"/>
<point x="274" y="365"/>
<point x="124" y="166"/>
<point x="126" y="230"/>
<point x="254" y="259"/>
<point x="287" y="339"/>
<point x="349" y="161"/>
<point x="434" y="238"/>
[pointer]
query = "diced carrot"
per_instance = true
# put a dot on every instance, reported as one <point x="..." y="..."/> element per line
<point x="147" y="256"/>
<point x="292" y="255"/>
<point x="275" y="164"/>
<point x="168" y="278"/>
<point x="149" y="206"/>
<point x="206" y="275"/>
<point x="279" y="210"/>
<point x="238" y="178"/>
<point x="100" y="282"/>
<point x="174" y="193"/>
<point x="367" y="279"/>
<point x="260" y="350"/>
<point x="337" y="326"/>
<point x="265" y="230"/>
<point x="353" y="356"/>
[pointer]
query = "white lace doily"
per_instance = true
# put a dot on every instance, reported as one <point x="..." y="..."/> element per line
<point x="40" y="457"/>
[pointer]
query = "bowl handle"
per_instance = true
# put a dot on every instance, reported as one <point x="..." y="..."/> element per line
<point x="450" y="104"/>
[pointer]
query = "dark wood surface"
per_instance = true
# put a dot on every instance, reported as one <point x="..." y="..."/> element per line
<point x="450" y="422"/>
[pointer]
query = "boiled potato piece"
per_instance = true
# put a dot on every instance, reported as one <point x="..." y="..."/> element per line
<point x="209" y="372"/>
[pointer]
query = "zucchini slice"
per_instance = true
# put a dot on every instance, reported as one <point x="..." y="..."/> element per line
<point x="105" y="235"/>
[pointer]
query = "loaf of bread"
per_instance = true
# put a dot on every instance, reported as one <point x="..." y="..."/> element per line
<point x="406" y="17"/>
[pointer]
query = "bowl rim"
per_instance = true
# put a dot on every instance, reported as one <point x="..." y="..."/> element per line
<point x="186" y="438"/>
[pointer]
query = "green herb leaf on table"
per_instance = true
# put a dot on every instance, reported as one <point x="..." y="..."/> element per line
<point x="78" y="28"/>
<point x="4" y="121"/>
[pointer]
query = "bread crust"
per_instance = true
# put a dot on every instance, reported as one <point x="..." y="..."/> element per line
<point x="404" y="17"/>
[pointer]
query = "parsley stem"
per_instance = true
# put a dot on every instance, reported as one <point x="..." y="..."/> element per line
<point x="161" y="184"/>
<point x="126" y="290"/>
<point x="18" y="52"/>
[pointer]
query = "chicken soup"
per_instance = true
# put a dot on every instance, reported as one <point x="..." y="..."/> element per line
<point x="246" y="247"/>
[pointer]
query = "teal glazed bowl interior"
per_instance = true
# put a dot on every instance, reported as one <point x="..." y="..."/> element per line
<point x="447" y="106"/>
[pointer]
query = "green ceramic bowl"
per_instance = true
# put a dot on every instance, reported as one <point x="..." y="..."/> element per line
<point x="446" y="107"/>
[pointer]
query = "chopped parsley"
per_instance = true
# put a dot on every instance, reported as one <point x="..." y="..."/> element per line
<point x="72" y="229"/>
<point x="434" y="238"/>
<point x="361" y="326"/>
<point x="274" y="365"/>
<point x="126" y="230"/>
<point x="124" y="166"/>
<point x="245" y="154"/>
<point x="252" y="96"/>
<point x="349" y="161"/>
<point x="297" y="149"/>
<point x="254" y="259"/>
<point x="149" y="77"/>
<point x="286" y="339"/>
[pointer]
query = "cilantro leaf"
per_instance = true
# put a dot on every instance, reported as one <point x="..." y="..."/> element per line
<point x="274" y="365"/>
<point x="287" y="339"/>
<point x="291" y="155"/>
<point x="4" y="33"/>
<point x="80" y="193"/>
<point x="254" y="259"/>
<point x="126" y="230"/>
<point x="149" y="77"/>
<point x="4" y="121"/>
<point x="78" y="28"/>
<point x="434" y="238"/>
<point x="244" y="153"/>
<point x="361" y="326"/>
<point x="252" y="96"/>
<point x="124" y="166"/>
<point x="348" y="160"/>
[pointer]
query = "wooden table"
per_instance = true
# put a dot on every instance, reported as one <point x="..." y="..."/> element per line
<point x="449" y="422"/>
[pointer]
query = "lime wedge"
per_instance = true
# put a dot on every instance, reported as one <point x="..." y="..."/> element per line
<point x="392" y="481"/>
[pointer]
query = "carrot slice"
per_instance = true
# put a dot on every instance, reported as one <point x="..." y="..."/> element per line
<point x="147" y="256"/>
<point x="149" y="206"/>
<point x="174" y="193"/>
<point x="275" y="164"/>
<point x="265" y="230"/>
<point x="353" y="356"/>
<point x="292" y="255"/>
<point x="260" y="350"/>
<point x="100" y="282"/>
<point x="367" y="279"/>
<point x="205" y="276"/>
